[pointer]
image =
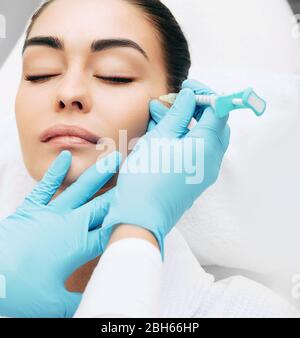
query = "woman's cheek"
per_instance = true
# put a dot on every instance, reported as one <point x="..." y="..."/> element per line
<point x="28" y="122"/>
<point x="129" y="113"/>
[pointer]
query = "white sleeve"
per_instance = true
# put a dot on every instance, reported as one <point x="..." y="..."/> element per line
<point x="127" y="282"/>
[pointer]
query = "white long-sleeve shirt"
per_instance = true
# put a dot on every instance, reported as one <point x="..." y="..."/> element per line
<point x="132" y="281"/>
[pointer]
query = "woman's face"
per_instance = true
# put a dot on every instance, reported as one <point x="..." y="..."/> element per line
<point x="76" y="93"/>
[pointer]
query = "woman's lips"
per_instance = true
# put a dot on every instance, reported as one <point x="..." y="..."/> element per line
<point x="69" y="135"/>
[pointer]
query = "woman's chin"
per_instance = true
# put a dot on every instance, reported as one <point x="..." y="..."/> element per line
<point x="77" y="168"/>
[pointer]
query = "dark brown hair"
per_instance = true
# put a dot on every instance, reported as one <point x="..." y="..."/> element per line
<point x="173" y="41"/>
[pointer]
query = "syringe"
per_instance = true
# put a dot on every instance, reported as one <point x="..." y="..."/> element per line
<point x="224" y="104"/>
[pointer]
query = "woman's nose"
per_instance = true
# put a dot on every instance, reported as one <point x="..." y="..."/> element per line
<point x="73" y="96"/>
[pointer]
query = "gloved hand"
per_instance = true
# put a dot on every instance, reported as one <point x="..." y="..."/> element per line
<point x="159" y="110"/>
<point x="44" y="241"/>
<point x="155" y="199"/>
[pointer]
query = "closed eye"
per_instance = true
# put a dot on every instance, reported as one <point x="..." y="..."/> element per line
<point x="38" y="78"/>
<point x="118" y="80"/>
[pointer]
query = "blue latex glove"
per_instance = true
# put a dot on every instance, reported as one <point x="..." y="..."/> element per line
<point x="157" y="200"/>
<point x="158" y="110"/>
<point x="43" y="242"/>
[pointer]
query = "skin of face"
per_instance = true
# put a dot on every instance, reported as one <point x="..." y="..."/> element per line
<point x="74" y="96"/>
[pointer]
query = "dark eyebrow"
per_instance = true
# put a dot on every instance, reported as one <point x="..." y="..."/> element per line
<point x="96" y="46"/>
<point x="103" y="44"/>
<point x="48" y="41"/>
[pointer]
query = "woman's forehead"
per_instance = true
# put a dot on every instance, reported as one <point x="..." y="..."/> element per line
<point x="89" y="19"/>
<point x="79" y="23"/>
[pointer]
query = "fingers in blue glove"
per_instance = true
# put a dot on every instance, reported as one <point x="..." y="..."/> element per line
<point x="93" y="248"/>
<point x="215" y="126"/>
<point x="198" y="88"/>
<point x="175" y="123"/>
<point x="97" y="208"/>
<point x="157" y="112"/>
<point x="52" y="180"/>
<point x="208" y="119"/>
<point x="151" y="125"/>
<point x="89" y="183"/>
